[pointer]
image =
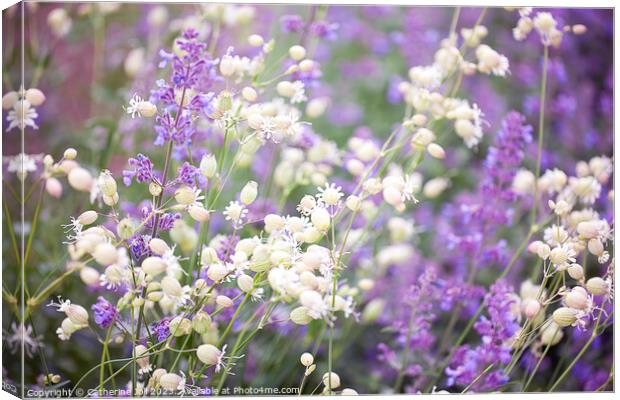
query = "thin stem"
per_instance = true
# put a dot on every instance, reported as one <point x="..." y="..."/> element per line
<point x="541" y="129"/>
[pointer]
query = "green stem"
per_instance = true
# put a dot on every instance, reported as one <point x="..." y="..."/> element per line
<point x="541" y="129"/>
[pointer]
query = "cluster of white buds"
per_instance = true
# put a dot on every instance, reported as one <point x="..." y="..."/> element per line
<point x="273" y="121"/>
<point x="546" y="26"/>
<point x="107" y="187"/>
<point x="531" y="302"/>
<point x="423" y="94"/>
<point x="307" y="360"/>
<point x="398" y="190"/>
<point x="577" y="304"/>
<point x="22" y="105"/>
<point x="77" y="318"/>
<point x="490" y="61"/>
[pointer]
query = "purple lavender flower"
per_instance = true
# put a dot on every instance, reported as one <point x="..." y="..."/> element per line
<point x="161" y="328"/>
<point x="138" y="247"/>
<point x="166" y="220"/>
<point x="179" y="130"/>
<point x="105" y="312"/>
<point x="187" y="174"/>
<point x="291" y="23"/>
<point x="325" y="30"/>
<point x="473" y="218"/>
<point x="496" y="332"/>
<point x="142" y="170"/>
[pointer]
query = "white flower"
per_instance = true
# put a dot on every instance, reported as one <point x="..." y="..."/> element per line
<point x="22" y="335"/>
<point x="562" y="256"/>
<point x="22" y="115"/>
<point x="588" y="189"/>
<point x="411" y="187"/>
<point x="22" y="163"/>
<point x="140" y="107"/>
<point x="330" y="194"/>
<point x="555" y="235"/>
<point x="235" y="213"/>
<point x="490" y="61"/>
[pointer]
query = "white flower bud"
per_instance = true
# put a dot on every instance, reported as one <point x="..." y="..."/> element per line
<point x="436" y="151"/>
<point x="249" y="94"/>
<point x="300" y="316"/>
<point x="311" y="299"/>
<point x="158" y="246"/>
<point x="306" y="359"/>
<point x="154" y="265"/>
<point x="170" y="381"/>
<point x="245" y="283"/>
<point x="523" y="182"/>
<point x="320" y="218"/>
<point x="68" y="327"/>
<point x="70" y="154"/>
<point x="147" y="109"/>
<point x="354" y="203"/>
<point x="575" y="271"/>
<point x="105" y="254"/>
<point x="465" y="128"/>
<point x="180" y="326"/>
<point x="110" y="200"/>
<point x="224" y="301"/>
<point x="335" y="380"/>
<point x="589" y="229"/>
<point x="134" y="62"/>
<point x="125" y="228"/>
<point x="551" y="334"/>
<point x="142" y="357"/>
<point x="208" y="354"/>
<point x="366" y="284"/>
<point x="171" y="287"/>
<point x="208" y="255"/>
<point x="201" y="323"/>
<point x="273" y="222"/>
<point x="198" y="213"/>
<point x="53" y="187"/>
<point x="316" y="107"/>
<point x="256" y="40"/>
<point x="185" y="195"/>
<point x="297" y="52"/>
<point x="435" y="187"/>
<point x="157" y="17"/>
<point x="285" y="89"/>
<point x="208" y="165"/>
<point x="89" y="276"/>
<point x="392" y="196"/>
<point x="564" y="316"/>
<point x="77" y="314"/>
<point x="227" y="66"/>
<point x="155" y="189"/>
<point x="532" y="308"/>
<point x="80" y="179"/>
<point x="577" y="298"/>
<point x="87" y="217"/>
<point x="595" y="246"/>
<point x="249" y="193"/>
<point x="217" y="272"/>
<point x="597" y="286"/>
<point x="107" y="184"/>
<point x="306" y="65"/>
<point x="579" y="29"/>
<point x="9" y="100"/>
<point x="422" y="138"/>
